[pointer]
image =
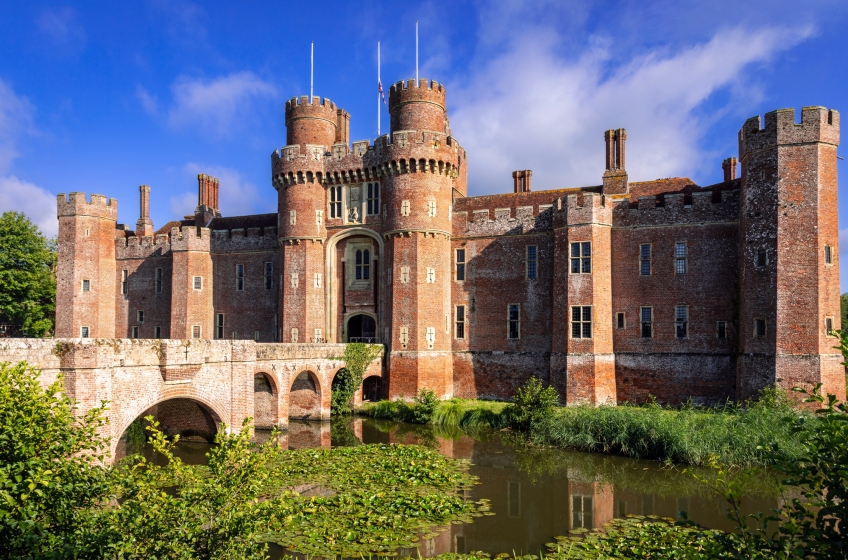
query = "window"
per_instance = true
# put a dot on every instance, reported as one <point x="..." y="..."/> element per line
<point x="645" y="259"/>
<point x="721" y="330"/>
<point x="431" y="208"/>
<point x="195" y="331"/>
<point x="86" y="285"/>
<point x="762" y="258"/>
<point x="680" y="258"/>
<point x="582" y="512"/>
<point x="139" y="316"/>
<point x="581" y="321"/>
<point x="647" y="322"/>
<point x="460" y="265"/>
<point x="404" y="337"/>
<point x="828" y="254"/>
<point x="513" y="321"/>
<point x="431" y="337"/>
<point x="158" y="280"/>
<point x="828" y="326"/>
<point x="318" y="336"/>
<point x="335" y="202"/>
<point x="256" y="336"/>
<point x="373" y="200"/>
<point x="134" y="332"/>
<point x="759" y="328"/>
<point x="157" y="332"/>
<point x="531" y="255"/>
<point x="404" y="275"/>
<point x="198" y="282"/>
<point x="619" y="321"/>
<point x="294" y="333"/>
<point x="581" y="257"/>
<point x="234" y="335"/>
<point x="319" y="217"/>
<point x="460" y="321"/>
<point x="363" y="264"/>
<point x="293" y="217"/>
<point x="219" y="326"/>
<point x="84" y="332"/>
<point x="240" y="277"/>
<point x="269" y="275"/>
<point x="124" y="281"/>
<point x="317" y="279"/>
<point x="294" y="280"/>
<point x="681" y="321"/>
<point x="404" y="208"/>
<point x="431" y="275"/>
<point x="87" y="233"/>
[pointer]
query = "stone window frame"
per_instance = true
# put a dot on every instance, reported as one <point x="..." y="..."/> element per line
<point x="721" y="330"/>
<point x="581" y="323"/>
<point x="336" y="202"/>
<point x="431" y="208"/>
<point x="459" y="265"/>
<point x="139" y="316"/>
<point x="430" y="337"/>
<point x="319" y="217"/>
<point x="317" y="280"/>
<point x="295" y="333"/>
<point x="365" y="269"/>
<point x="134" y="331"/>
<point x="295" y="279"/>
<point x="761" y="259"/>
<point x="319" y="336"/>
<point x="621" y="320"/>
<point x="828" y="255"/>
<point x="760" y="333"/>
<point x="85" y="285"/>
<point x="292" y="217"/>
<point x="125" y="281"/>
<point x="510" y="321"/>
<point x="681" y="259"/>
<point x="404" y="275"/>
<point x="829" y="331"/>
<point x="404" y="207"/>
<point x="646" y="259"/>
<point x="531" y="272"/>
<point x="87" y="232"/>
<point x="197" y="283"/>
<point x="234" y="335"/>
<point x="157" y="332"/>
<point x="219" y="326"/>
<point x="403" y="337"/>
<point x="196" y="331"/>
<point x="256" y="336"/>
<point x="85" y="332"/>
<point x="239" y="277"/>
<point x="580" y="259"/>
<point x="460" y="320"/>
<point x="643" y="323"/>
<point x="157" y="280"/>
<point x="269" y="275"/>
<point x="372" y="198"/>
<point x="431" y="275"/>
<point x="681" y="321"/>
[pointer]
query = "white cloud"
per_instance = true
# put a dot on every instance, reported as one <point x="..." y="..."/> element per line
<point x="38" y="204"/>
<point x="147" y="100"/>
<point x="62" y="30"/>
<point x="531" y="107"/>
<point x="237" y="196"/>
<point x="15" y="120"/>
<point x="217" y="105"/>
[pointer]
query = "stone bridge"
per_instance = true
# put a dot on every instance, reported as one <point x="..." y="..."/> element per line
<point x="191" y="385"/>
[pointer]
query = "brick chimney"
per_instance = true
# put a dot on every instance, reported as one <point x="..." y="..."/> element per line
<point x="729" y="167"/>
<point x="207" y="200"/>
<point x="615" y="175"/>
<point x="144" y="226"/>
<point x="521" y="180"/>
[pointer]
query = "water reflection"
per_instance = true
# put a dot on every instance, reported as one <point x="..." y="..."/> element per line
<point x="535" y="493"/>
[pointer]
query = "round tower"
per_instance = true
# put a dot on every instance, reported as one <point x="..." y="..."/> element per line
<point x="310" y="121"/>
<point x="418" y="107"/>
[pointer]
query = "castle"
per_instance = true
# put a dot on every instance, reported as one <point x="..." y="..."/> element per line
<point x="614" y="292"/>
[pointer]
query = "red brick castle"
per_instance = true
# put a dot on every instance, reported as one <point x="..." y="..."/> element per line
<point x="611" y="292"/>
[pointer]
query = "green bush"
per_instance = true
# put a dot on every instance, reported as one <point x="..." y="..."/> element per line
<point x="532" y="404"/>
<point x="426" y="402"/>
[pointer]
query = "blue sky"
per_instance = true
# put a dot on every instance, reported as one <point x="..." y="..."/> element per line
<point x="105" y="96"/>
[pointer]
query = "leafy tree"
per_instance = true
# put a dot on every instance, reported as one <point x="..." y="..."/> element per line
<point x="27" y="280"/>
<point x="426" y="403"/>
<point x="531" y="404"/>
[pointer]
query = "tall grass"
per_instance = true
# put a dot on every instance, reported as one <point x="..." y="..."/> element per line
<point x="451" y="413"/>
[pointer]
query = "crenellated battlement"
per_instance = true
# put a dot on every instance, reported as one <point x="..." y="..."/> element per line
<point x="135" y="247"/>
<point x="75" y="204"/>
<point x="818" y="124"/>
<point x="678" y="208"/>
<point x="244" y="239"/>
<point x="316" y="103"/>
<point x="419" y="106"/>
<point x="187" y="239"/>
<point x="402" y="88"/>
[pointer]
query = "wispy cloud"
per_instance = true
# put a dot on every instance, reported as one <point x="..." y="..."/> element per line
<point x="147" y="100"/>
<point x="237" y="196"/>
<point x="16" y="114"/>
<point x="34" y="201"/>
<point x="61" y="28"/>
<point x="217" y="105"/>
<point x="531" y="107"/>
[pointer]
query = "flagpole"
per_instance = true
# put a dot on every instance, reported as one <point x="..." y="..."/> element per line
<point x="417" y="84"/>
<point x="378" y="93"/>
<point x="311" y="70"/>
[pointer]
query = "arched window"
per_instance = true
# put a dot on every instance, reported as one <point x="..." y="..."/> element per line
<point x="363" y="264"/>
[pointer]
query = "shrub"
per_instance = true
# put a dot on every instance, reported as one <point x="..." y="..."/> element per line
<point x="532" y="403"/>
<point x="426" y="402"/>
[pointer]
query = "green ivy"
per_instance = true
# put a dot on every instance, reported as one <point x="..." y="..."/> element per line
<point x="357" y="357"/>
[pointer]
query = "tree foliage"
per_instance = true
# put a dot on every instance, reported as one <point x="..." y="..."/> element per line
<point x="531" y="404"/>
<point x="357" y="357"/>
<point x="27" y="280"/>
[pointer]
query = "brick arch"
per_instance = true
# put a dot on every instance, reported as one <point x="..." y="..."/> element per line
<point x="266" y="407"/>
<point x="306" y="395"/>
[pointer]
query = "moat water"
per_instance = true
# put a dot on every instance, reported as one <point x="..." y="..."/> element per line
<point x="536" y="494"/>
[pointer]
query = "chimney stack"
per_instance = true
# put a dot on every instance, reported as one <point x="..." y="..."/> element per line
<point x="729" y="167"/>
<point x="144" y="227"/>
<point x="521" y="180"/>
<point x="615" y="175"/>
<point x="207" y="199"/>
<point x="342" y="126"/>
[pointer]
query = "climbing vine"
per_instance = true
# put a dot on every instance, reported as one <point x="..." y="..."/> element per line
<point x="357" y="357"/>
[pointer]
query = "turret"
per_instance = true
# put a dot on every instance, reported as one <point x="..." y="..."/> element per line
<point x="312" y="121"/>
<point x="418" y="107"/>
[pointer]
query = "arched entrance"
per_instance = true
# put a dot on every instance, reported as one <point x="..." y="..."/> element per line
<point x="372" y="388"/>
<point x="361" y="328"/>
<point x="305" y="397"/>
<point x="264" y="402"/>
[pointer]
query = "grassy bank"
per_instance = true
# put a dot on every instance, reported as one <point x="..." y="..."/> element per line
<point x="757" y="434"/>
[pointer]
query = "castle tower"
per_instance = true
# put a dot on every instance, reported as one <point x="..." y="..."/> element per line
<point x="144" y="226"/>
<point x="420" y="174"/>
<point x="788" y="253"/>
<point x="192" y="283"/>
<point x="312" y="127"/>
<point x="86" y="269"/>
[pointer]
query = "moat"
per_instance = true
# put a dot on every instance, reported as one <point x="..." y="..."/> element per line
<point x="535" y="494"/>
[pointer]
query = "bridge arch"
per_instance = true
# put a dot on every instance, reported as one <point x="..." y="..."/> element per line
<point x="306" y="396"/>
<point x="266" y="395"/>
